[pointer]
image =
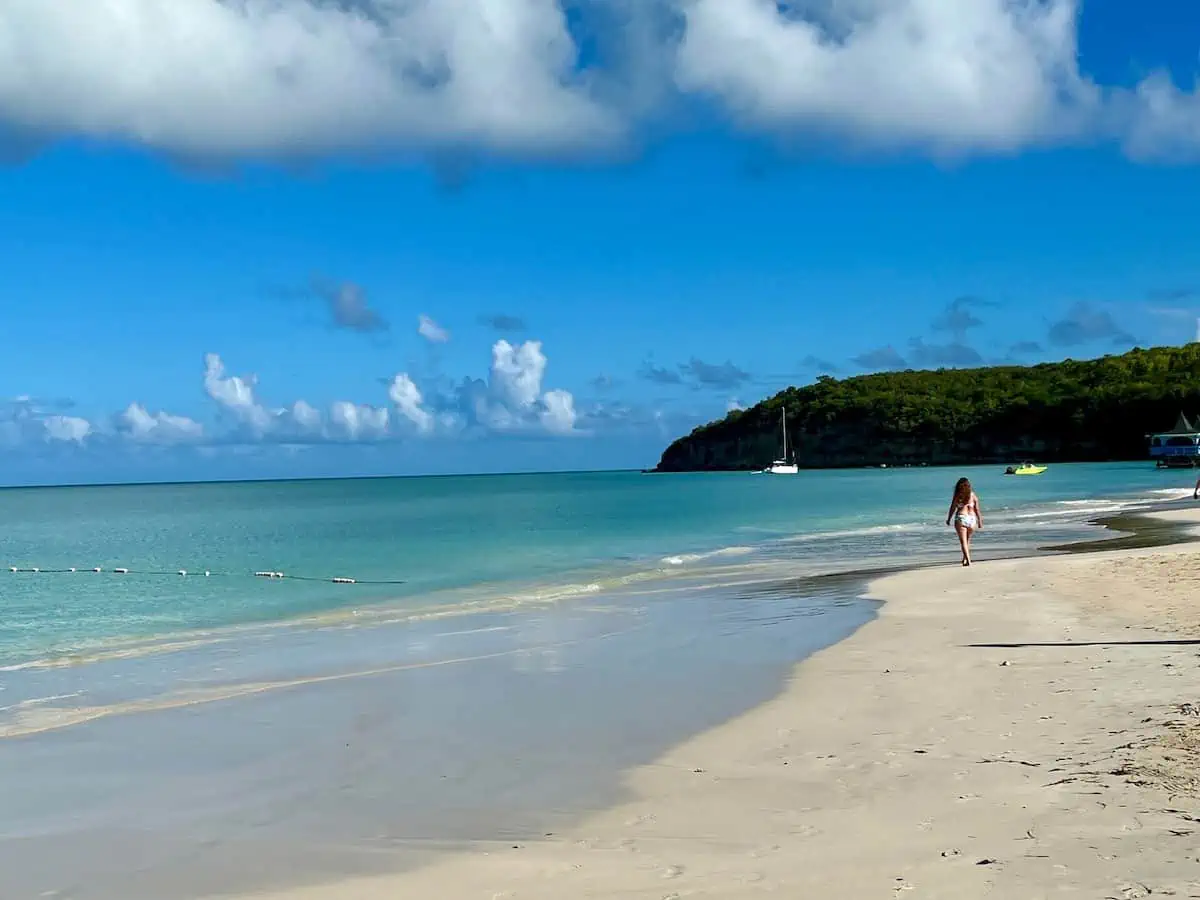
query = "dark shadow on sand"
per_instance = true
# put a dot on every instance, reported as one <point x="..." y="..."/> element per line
<point x="1018" y="646"/>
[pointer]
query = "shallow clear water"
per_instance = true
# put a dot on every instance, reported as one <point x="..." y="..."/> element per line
<point x="166" y="737"/>
<point x="477" y="542"/>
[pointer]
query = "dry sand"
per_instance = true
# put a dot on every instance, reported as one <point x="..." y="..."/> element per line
<point x="908" y="762"/>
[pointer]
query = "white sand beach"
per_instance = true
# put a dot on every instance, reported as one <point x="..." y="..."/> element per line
<point x="918" y="759"/>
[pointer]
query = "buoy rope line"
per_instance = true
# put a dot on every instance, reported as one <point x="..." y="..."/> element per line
<point x="186" y="573"/>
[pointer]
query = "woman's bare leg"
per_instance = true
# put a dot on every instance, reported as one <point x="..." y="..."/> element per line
<point x="964" y="541"/>
<point x="970" y="534"/>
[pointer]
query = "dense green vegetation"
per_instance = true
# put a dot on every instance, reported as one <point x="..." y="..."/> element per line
<point x="1093" y="410"/>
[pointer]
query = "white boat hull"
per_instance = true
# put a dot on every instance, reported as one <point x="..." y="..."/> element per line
<point x="782" y="469"/>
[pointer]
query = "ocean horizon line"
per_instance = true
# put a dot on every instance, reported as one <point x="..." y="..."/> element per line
<point x="314" y="479"/>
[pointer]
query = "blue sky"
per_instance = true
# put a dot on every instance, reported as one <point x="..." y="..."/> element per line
<point x="221" y="269"/>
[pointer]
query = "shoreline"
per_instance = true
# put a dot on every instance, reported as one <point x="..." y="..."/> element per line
<point x="1068" y="697"/>
<point x="777" y="548"/>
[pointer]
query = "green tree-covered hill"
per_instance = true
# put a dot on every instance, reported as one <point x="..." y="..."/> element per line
<point x="1092" y="410"/>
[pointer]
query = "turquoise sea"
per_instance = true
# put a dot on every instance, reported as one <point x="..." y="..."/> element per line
<point x="417" y="546"/>
<point x="510" y="646"/>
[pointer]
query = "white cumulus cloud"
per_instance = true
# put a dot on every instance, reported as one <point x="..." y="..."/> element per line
<point x="949" y="75"/>
<point x="406" y="397"/>
<point x="142" y="426"/>
<point x="67" y="429"/>
<point x="517" y="371"/>
<point x="558" y="414"/>
<point x="359" y="421"/>
<point x="510" y="399"/>
<point x="307" y="417"/>
<point x="248" y="79"/>
<point x="235" y="395"/>
<point x="253" y="77"/>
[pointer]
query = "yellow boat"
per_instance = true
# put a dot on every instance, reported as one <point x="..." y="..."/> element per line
<point x="1026" y="468"/>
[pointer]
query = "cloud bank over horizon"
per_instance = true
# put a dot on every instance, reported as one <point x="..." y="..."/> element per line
<point x="535" y="79"/>
<point x="509" y="401"/>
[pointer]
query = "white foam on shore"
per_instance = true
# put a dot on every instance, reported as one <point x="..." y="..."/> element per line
<point x="865" y="531"/>
<point x="686" y="558"/>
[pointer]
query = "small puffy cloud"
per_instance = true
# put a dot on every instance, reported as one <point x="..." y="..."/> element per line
<point x="431" y="330"/>
<point x="142" y="426"/>
<point x="817" y="364"/>
<point x="959" y="317"/>
<point x="307" y="417"/>
<point x="734" y="405"/>
<point x="503" y="322"/>
<point x="1085" y="323"/>
<point x="517" y="371"/>
<point x="558" y="412"/>
<point x="25" y="419"/>
<point x="953" y="355"/>
<point x="407" y="399"/>
<point x="697" y="373"/>
<point x="235" y="395"/>
<point x="510" y="400"/>
<point x="1024" y="348"/>
<point x="603" y="383"/>
<point x="349" y="308"/>
<point x="881" y="358"/>
<point x="721" y="376"/>
<point x="358" y="422"/>
<point x="1157" y="121"/>
<point x="658" y="375"/>
<point x="66" y="429"/>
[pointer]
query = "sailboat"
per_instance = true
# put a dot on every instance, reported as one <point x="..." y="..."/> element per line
<point x="784" y="465"/>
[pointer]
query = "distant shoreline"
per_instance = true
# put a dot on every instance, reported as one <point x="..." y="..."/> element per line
<point x="964" y="463"/>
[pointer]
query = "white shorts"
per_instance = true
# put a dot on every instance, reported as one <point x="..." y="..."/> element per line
<point x="966" y="520"/>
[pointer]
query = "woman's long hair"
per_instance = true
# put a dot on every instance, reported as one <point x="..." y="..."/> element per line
<point x="962" y="492"/>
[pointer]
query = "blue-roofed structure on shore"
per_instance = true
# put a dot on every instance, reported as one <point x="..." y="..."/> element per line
<point x="1178" y="448"/>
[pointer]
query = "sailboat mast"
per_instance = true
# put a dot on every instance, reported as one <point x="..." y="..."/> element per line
<point x="784" y="427"/>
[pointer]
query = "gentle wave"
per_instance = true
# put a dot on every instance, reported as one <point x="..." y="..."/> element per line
<point x="686" y="558"/>
<point x="865" y="531"/>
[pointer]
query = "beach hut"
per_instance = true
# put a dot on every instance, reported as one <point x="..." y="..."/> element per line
<point x="1177" y="448"/>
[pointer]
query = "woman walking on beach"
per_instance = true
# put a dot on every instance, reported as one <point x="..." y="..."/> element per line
<point x="966" y="516"/>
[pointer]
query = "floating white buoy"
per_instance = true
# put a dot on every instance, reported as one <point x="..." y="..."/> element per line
<point x="183" y="572"/>
<point x="36" y="570"/>
<point x="278" y="574"/>
<point x="72" y="568"/>
<point x="344" y="581"/>
<point x="97" y="569"/>
<point x="12" y="568"/>
<point x="121" y="571"/>
<point x="206" y="574"/>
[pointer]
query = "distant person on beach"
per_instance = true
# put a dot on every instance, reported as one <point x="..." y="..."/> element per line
<point x="966" y="516"/>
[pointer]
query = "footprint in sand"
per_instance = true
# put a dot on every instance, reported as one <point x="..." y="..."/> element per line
<point x="760" y="852"/>
<point x="672" y="871"/>
<point x="1133" y="891"/>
